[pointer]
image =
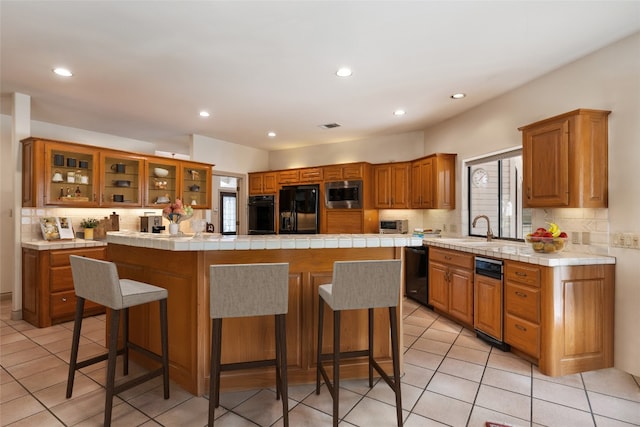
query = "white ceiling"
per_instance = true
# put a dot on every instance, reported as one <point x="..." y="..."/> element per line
<point x="144" y="69"/>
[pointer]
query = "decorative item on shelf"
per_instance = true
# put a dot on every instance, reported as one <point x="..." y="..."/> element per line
<point x="119" y="167"/>
<point x="84" y="164"/>
<point x="57" y="176"/>
<point x="118" y="198"/>
<point x="78" y="176"/>
<point x="547" y="241"/>
<point x="160" y="184"/>
<point x="160" y="172"/>
<point x="176" y="213"/>
<point x="122" y="183"/>
<point x="198" y="226"/>
<point x="58" y="160"/>
<point x="88" y="224"/>
<point x="194" y="174"/>
<point x="71" y="177"/>
<point x="194" y="188"/>
<point x="163" y="199"/>
<point x="71" y="162"/>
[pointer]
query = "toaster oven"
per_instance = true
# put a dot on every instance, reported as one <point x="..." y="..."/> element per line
<point x="394" y="226"/>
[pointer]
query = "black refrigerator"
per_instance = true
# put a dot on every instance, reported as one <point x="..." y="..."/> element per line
<point x="298" y="209"/>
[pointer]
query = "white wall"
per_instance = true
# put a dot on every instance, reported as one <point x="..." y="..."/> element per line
<point x="228" y="157"/>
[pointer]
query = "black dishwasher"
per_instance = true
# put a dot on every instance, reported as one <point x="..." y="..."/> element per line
<point x="416" y="274"/>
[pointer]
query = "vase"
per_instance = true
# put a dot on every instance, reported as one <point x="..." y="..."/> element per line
<point x="88" y="233"/>
<point x="174" y="228"/>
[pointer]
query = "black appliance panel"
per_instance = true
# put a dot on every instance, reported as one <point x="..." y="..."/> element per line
<point x="262" y="214"/>
<point x="298" y="209"/>
<point x="417" y="274"/>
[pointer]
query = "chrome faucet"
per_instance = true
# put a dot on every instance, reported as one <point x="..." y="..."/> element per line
<point x="489" y="232"/>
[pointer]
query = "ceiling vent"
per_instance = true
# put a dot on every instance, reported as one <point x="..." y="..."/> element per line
<point x="330" y="126"/>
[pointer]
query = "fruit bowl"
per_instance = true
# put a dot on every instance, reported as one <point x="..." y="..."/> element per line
<point x="547" y="245"/>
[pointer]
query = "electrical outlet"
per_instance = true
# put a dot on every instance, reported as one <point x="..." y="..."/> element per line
<point x="453" y="228"/>
<point x="586" y="238"/>
<point x="615" y="239"/>
<point x="635" y="241"/>
<point x="575" y="238"/>
<point x="627" y="240"/>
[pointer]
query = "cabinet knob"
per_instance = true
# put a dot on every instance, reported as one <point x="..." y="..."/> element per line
<point x="521" y="274"/>
<point x="521" y="294"/>
<point x="64" y="299"/>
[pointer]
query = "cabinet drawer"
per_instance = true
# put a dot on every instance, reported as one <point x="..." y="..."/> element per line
<point x="452" y="258"/>
<point x="522" y="334"/>
<point x="60" y="279"/>
<point x="289" y="177"/>
<point x="522" y="301"/>
<point x="353" y="171"/>
<point x="311" y="174"/>
<point x="63" y="305"/>
<point x="528" y="275"/>
<point x="61" y="258"/>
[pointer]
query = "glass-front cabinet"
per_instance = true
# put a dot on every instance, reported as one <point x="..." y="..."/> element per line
<point x="122" y="179"/>
<point x="195" y="180"/>
<point x="70" y="175"/>
<point x="162" y="182"/>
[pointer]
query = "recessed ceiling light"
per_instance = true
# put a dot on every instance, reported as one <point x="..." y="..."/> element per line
<point x="62" y="72"/>
<point x="271" y="134"/>
<point x="204" y="113"/>
<point x="399" y="113"/>
<point x="458" y="96"/>
<point x="344" y="72"/>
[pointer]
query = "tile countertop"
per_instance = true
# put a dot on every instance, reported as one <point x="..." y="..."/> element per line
<point x="46" y="245"/>
<point x="517" y="252"/>
<point x="216" y="242"/>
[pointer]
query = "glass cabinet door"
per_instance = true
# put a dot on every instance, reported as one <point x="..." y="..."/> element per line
<point x="70" y="174"/>
<point x="195" y="189"/>
<point x="162" y="183"/>
<point x="121" y="180"/>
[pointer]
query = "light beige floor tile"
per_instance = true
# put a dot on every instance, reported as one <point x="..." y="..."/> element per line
<point x="409" y="394"/>
<point x="479" y="417"/>
<point x="509" y="363"/>
<point x="417" y="320"/>
<point x="40" y="419"/>
<point x="371" y="412"/>
<point x="36" y="366"/>
<point x="43" y="332"/>
<point x="468" y="354"/>
<point x="413" y="330"/>
<point x="56" y="394"/>
<point x="57" y="335"/>
<point x="232" y="399"/>
<point x="10" y="348"/>
<point x="415" y="420"/>
<point x="614" y="407"/>
<point x="193" y="412"/>
<point x="436" y="347"/>
<point x="11" y="338"/>
<point x="446" y="325"/>
<point x="560" y="394"/>
<point x="305" y="416"/>
<point x="608" y="422"/>
<point x="301" y="391"/>
<point x="462" y="369"/>
<point x="573" y="380"/>
<point x="416" y="376"/>
<point x="503" y="401"/>
<point x="11" y="390"/>
<point x="472" y="342"/>
<point x="263" y="408"/>
<point x="23" y="356"/>
<point x="122" y="415"/>
<point x="455" y="387"/>
<point x="5" y="377"/>
<point x="613" y="382"/>
<point x="443" y="409"/>
<point x="232" y="420"/>
<point x="19" y="408"/>
<point x="507" y="381"/>
<point x="423" y="359"/>
<point x="360" y="386"/>
<point x="553" y="415"/>
<point x="324" y="403"/>
<point x="407" y="341"/>
<point x="85" y="351"/>
<point x="439" y="335"/>
<point x="79" y="408"/>
<point x="153" y="402"/>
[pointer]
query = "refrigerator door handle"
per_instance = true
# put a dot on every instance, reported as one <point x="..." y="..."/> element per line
<point x="294" y="218"/>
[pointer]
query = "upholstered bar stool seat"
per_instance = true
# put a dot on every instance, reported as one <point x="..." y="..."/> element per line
<point x="360" y="285"/>
<point x="241" y="290"/>
<point x="98" y="281"/>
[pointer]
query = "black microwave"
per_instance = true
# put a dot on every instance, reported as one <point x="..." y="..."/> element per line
<point x="343" y="194"/>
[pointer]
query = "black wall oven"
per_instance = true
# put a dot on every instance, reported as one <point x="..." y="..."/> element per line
<point x="262" y="214"/>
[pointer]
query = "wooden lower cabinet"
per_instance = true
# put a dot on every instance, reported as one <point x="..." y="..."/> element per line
<point x="48" y="296"/>
<point x="185" y="274"/>
<point x="487" y="306"/>
<point x="451" y="284"/>
<point x="560" y="317"/>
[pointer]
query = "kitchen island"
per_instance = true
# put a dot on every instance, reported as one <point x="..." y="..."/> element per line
<point x="181" y="265"/>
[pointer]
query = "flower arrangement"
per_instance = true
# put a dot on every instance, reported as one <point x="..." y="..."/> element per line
<point x="89" y="223"/>
<point x="177" y="212"/>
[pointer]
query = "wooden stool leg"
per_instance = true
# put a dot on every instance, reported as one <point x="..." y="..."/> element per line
<point x="75" y="344"/>
<point x="164" y="336"/>
<point x="395" y="352"/>
<point x="125" y="341"/>
<point x="370" y="347"/>
<point x="319" y="350"/>
<point x="111" y="365"/>
<point x="281" y="348"/>
<point x="336" y="366"/>
<point x="278" y="354"/>
<point x="214" y="377"/>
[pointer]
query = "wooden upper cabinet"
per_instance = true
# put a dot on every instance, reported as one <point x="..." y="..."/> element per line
<point x="311" y="175"/>
<point x="344" y="172"/>
<point x="291" y="176"/>
<point x="565" y="160"/>
<point x="263" y="183"/>
<point x="57" y="173"/>
<point x="392" y="185"/>
<point x="433" y="182"/>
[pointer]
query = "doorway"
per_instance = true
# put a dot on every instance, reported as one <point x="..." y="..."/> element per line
<point x="228" y="213"/>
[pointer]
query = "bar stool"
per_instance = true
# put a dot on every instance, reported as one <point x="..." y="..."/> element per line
<point x="98" y="281"/>
<point x="360" y="285"/>
<point x="242" y="290"/>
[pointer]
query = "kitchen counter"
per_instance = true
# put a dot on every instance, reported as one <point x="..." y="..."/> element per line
<point x="216" y="242"/>
<point x="47" y="245"/>
<point x="517" y="252"/>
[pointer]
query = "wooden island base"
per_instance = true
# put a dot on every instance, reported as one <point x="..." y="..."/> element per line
<point x="185" y="274"/>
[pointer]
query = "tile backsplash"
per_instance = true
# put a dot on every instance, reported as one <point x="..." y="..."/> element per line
<point x="129" y="219"/>
<point x="588" y="229"/>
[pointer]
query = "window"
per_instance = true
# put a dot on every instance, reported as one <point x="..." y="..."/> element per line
<point x="495" y="190"/>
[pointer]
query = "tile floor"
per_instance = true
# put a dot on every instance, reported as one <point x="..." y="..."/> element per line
<point x="451" y="379"/>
